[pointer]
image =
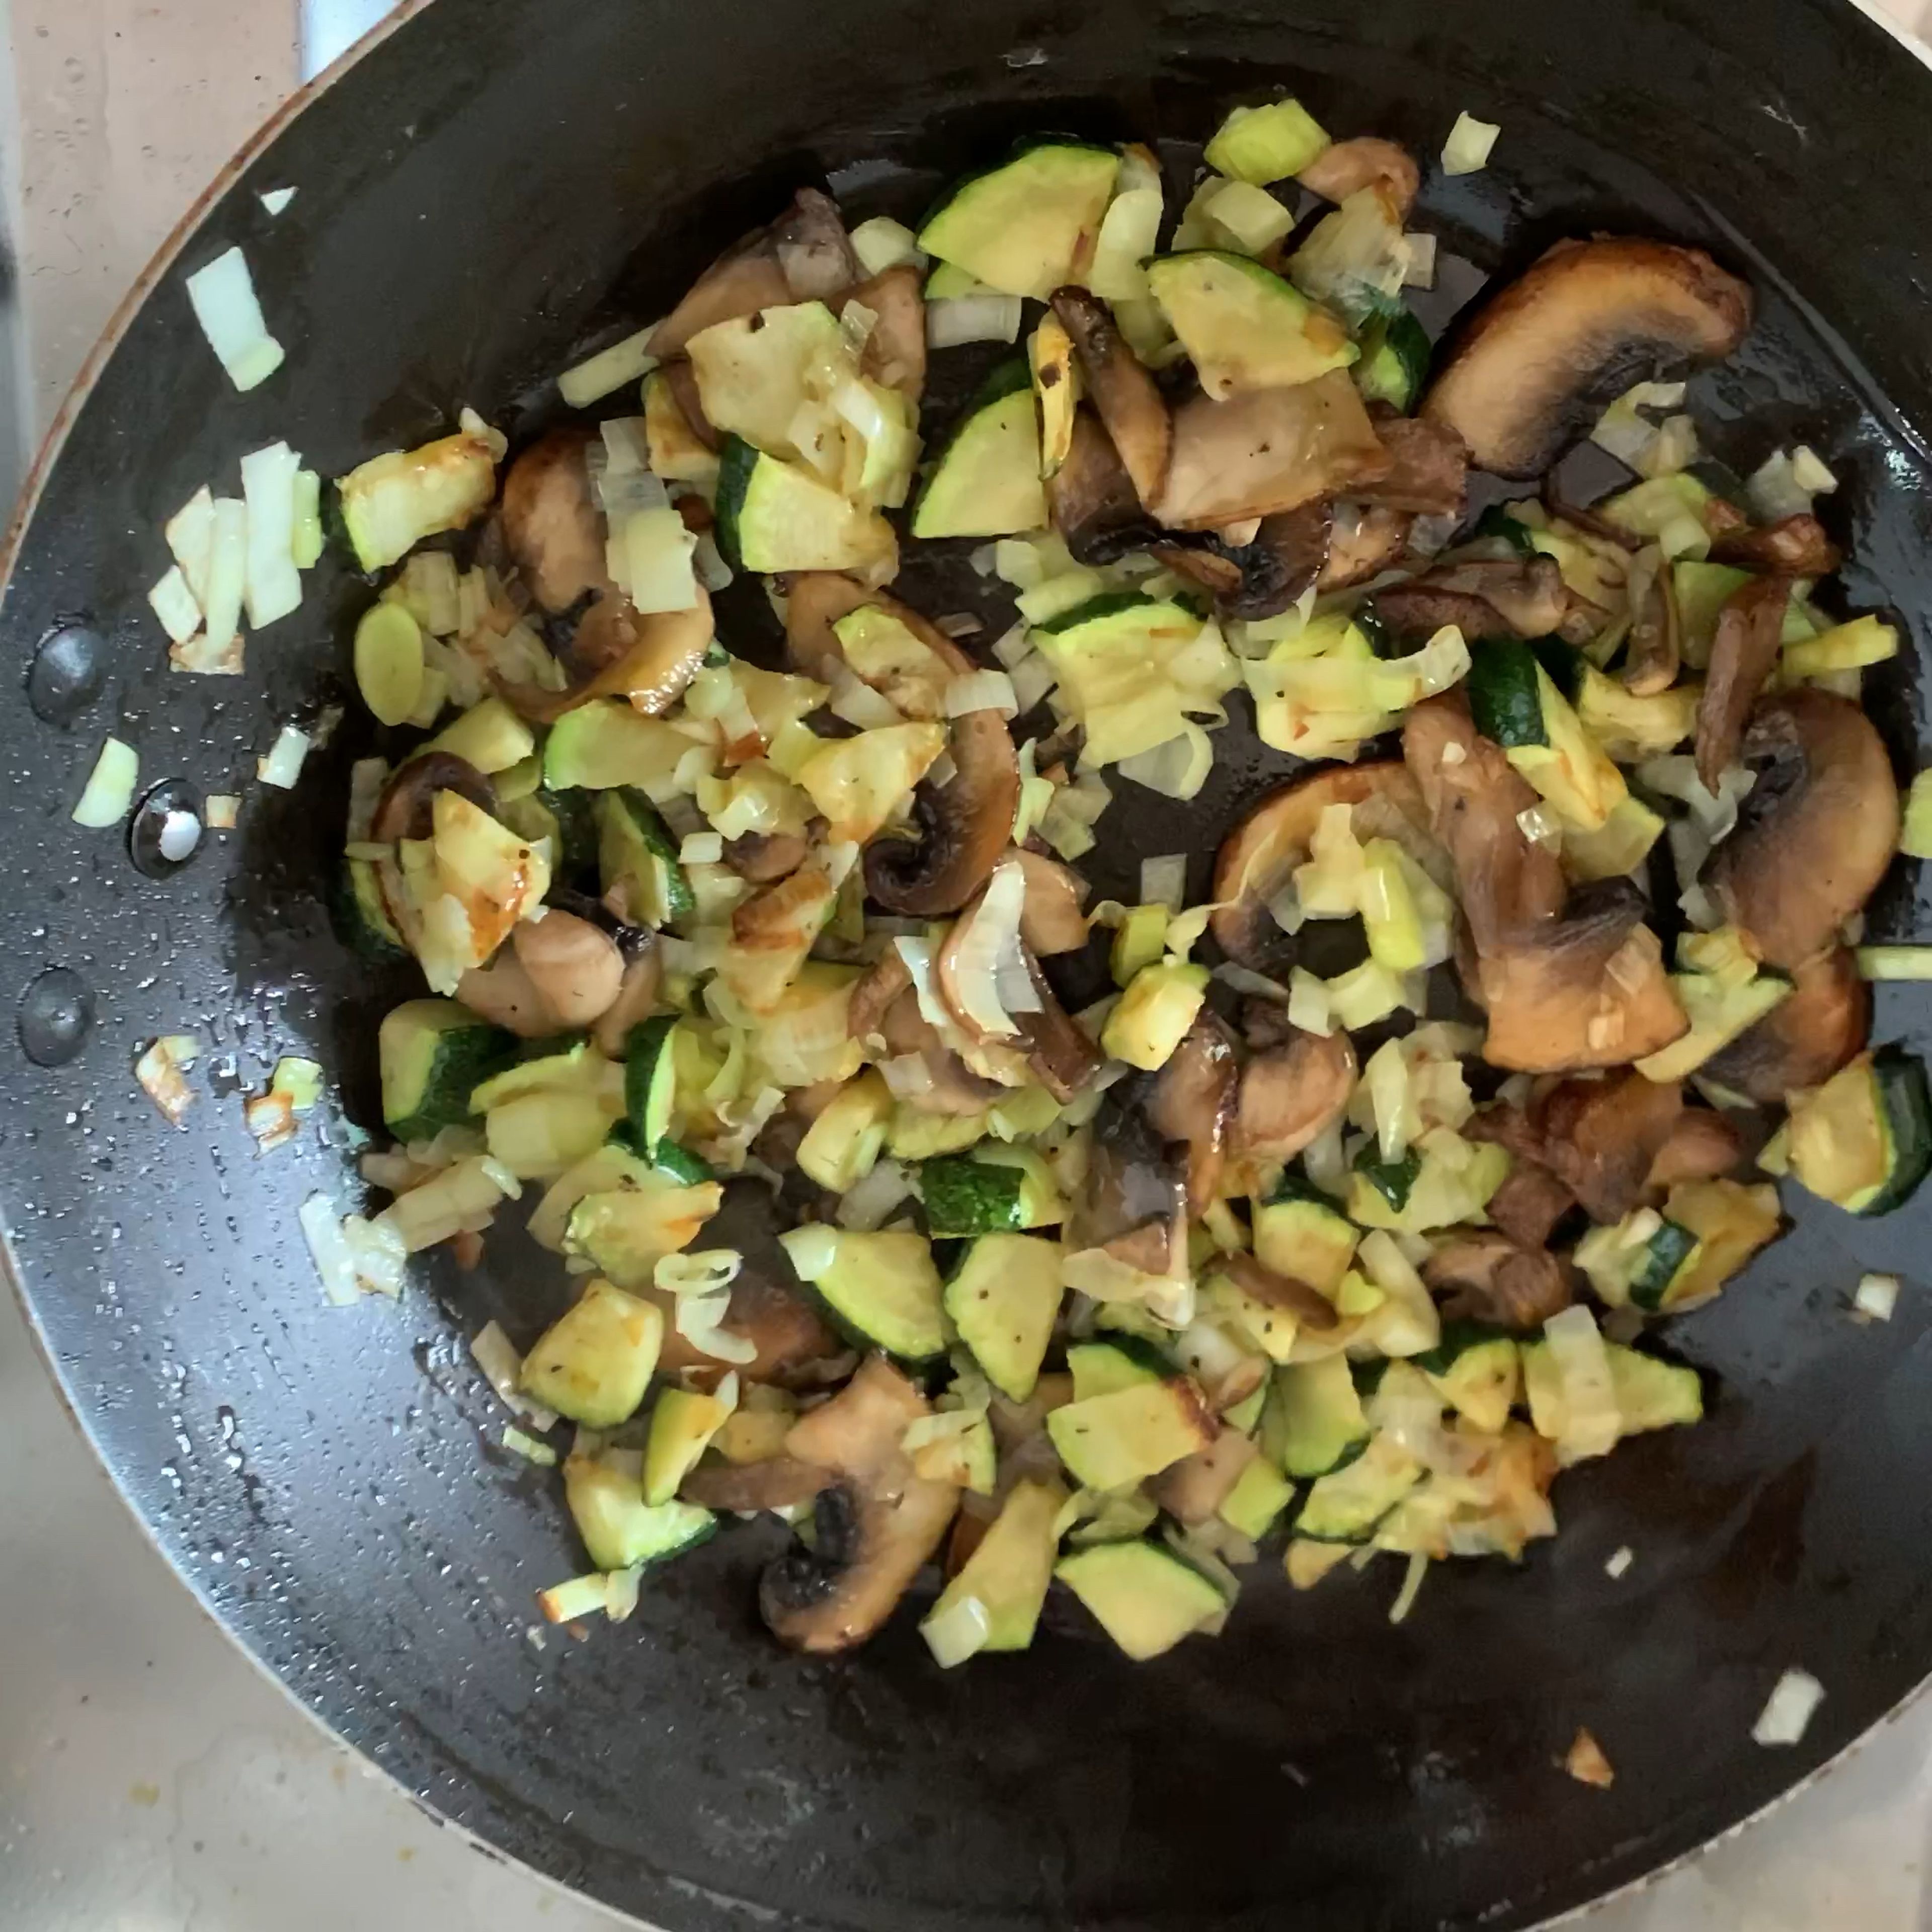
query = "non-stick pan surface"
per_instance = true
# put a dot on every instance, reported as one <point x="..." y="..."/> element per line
<point x="485" y="190"/>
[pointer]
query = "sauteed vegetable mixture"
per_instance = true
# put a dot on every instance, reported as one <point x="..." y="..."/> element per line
<point x="1341" y="1224"/>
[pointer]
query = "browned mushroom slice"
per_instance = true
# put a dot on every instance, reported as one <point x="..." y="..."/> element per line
<point x="1815" y="832"/>
<point x="1743" y="654"/>
<point x="1702" y="1146"/>
<point x="1487" y="1276"/>
<point x="552" y="526"/>
<point x="682" y="380"/>
<point x="1124" y="395"/>
<point x="804" y="255"/>
<point x="618" y="652"/>
<point x="1429" y="472"/>
<point x="1193" y="1490"/>
<point x="1529" y="1204"/>
<point x="875" y="993"/>
<point x="636" y="998"/>
<point x="1091" y="497"/>
<point x="787" y="1332"/>
<point x="503" y="994"/>
<point x="574" y="964"/>
<point x="1133" y="1197"/>
<point x="1062" y="1056"/>
<point x="780" y="1482"/>
<point x="895" y="352"/>
<point x="1191" y="1101"/>
<point x="1521" y="597"/>
<point x="1365" y="540"/>
<point x="1309" y="1306"/>
<point x="1518" y="381"/>
<point x="1258" y="859"/>
<point x="1290" y="1094"/>
<point x="1822" y="1023"/>
<point x="1268" y="450"/>
<point x="1262" y="577"/>
<point x="1587" y="990"/>
<point x="1654" y="654"/>
<point x="762" y="857"/>
<point x="873" y="1527"/>
<point x="1051" y="921"/>
<point x="1507" y="884"/>
<point x="406" y="807"/>
<point x="1602" y="1137"/>
<point x="1344" y="168"/>
<point x="1792" y="546"/>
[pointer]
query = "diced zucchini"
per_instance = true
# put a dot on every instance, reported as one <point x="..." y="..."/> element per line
<point x="620" y="1529"/>
<point x="650" y="1081"/>
<point x="946" y="283"/>
<point x="390" y="503"/>
<point x="1110" y="1441"/>
<point x="1143" y="1595"/>
<point x="1029" y="225"/>
<point x="777" y="516"/>
<point x="986" y="481"/>
<point x="1477" y="1369"/>
<point x="1513" y="699"/>
<point x="915" y="1136"/>
<point x="1003" y="1298"/>
<point x="881" y="1289"/>
<point x="1652" y="1269"/>
<point x="993" y="1190"/>
<point x="1702" y="589"/>
<point x="489" y="735"/>
<point x="1260" y="1494"/>
<point x="1863" y="1139"/>
<point x="1732" y="1221"/>
<point x="1392" y="1179"/>
<point x="683" y="1424"/>
<point x="1266" y="144"/>
<point x="606" y="743"/>
<point x="1243" y="326"/>
<point x="1299" y="1232"/>
<point x="626" y="1233"/>
<point x="752" y="370"/>
<point x="1122" y="1361"/>
<point x="1307" y="1563"/>
<point x="1631" y="728"/>
<point x="361" y="917"/>
<point x="1139" y="940"/>
<point x="433" y="1054"/>
<point x="677" y="453"/>
<point x="566" y="1062"/>
<point x="539" y="1135"/>
<point x="1718" y="1014"/>
<point x="637" y="858"/>
<point x="1149" y="1019"/>
<point x="1649" y="1394"/>
<point x="1395" y="360"/>
<point x="1617" y="847"/>
<point x="1505" y="696"/>
<point x="1245" y="1415"/>
<point x="1312" y="1423"/>
<point x="1346" y="1506"/>
<point x="594" y="1364"/>
<point x="1010" y="1571"/>
<point x="842" y="1146"/>
<point x="680" y="1164"/>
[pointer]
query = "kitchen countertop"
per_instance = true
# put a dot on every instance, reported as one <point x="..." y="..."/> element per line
<point x="151" y="1779"/>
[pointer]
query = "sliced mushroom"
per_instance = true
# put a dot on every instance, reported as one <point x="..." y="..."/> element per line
<point x="1051" y="921"/>
<point x="618" y="652"/>
<point x="1508" y="885"/>
<point x="1193" y="1490"/>
<point x="1587" y="990"/>
<point x="1190" y="1102"/>
<point x="506" y="996"/>
<point x="1602" y="1137"/>
<point x="1309" y="1307"/>
<point x="895" y="352"/>
<point x="1133" y="1201"/>
<point x="1488" y="1277"/>
<point x="1529" y="1204"/>
<point x="762" y="858"/>
<point x="875" y="993"/>
<point x="787" y="1333"/>
<point x="406" y="808"/>
<point x="1820" y="1025"/>
<point x="1292" y="1093"/>
<point x="779" y="1482"/>
<point x="1817" y="832"/>
<point x="1064" y="1060"/>
<point x="552" y="525"/>
<point x="1430" y="467"/>
<point x="1792" y="546"/>
<point x="1258" y="859"/>
<point x="682" y="379"/>
<point x="1124" y="395"/>
<point x="804" y="255"/>
<point x="575" y="966"/>
<point x="873" y="1527"/>
<point x="1092" y="500"/>
<point x="1519" y="380"/>
<point x="1521" y="597"/>
<point x="636" y="999"/>
<point x="1263" y="577"/>
<point x="1702" y="1146"/>
<point x="1743" y="654"/>
<point x="1654" y="654"/>
<point x="1344" y="168"/>
<point x="1267" y="450"/>
<point x="1365" y="540"/>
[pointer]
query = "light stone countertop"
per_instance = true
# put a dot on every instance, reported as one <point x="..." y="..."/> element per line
<point x="152" y="1780"/>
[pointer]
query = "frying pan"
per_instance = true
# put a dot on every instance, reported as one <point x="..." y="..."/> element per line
<point x="492" y="187"/>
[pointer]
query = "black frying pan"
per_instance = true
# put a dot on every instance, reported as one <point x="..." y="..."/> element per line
<point x="488" y="188"/>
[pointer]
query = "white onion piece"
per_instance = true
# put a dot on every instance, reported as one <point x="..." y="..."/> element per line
<point x="883" y="243"/>
<point x="981" y="691"/>
<point x="1809" y="471"/>
<point x="495" y="1354"/>
<point x="283" y="763"/>
<point x="224" y="811"/>
<point x="1164" y="881"/>
<point x="190" y="532"/>
<point x="275" y="199"/>
<point x="972" y="318"/>
<point x="223" y="295"/>
<point x="1591" y="1422"/>
<point x="992" y="933"/>
<point x="1411" y="1587"/>
<point x="870" y="1202"/>
<point x="1788" y="1712"/>
<point x="174" y="604"/>
<point x="1177" y="769"/>
<point x="701" y="848"/>
<point x="272" y="583"/>
<point x="1467" y="150"/>
<point x="659" y="573"/>
<point x="327" y="1249"/>
<point x="227" y="575"/>
<point x="856" y="702"/>
<point x="699" y="1320"/>
<point x="1419" y="271"/>
<point x="1620" y="1562"/>
<point x="1877" y="1297"/>
<point x="959" y="1631"/>
<point x="110" y="786"/>
<point x="629" y="361"/>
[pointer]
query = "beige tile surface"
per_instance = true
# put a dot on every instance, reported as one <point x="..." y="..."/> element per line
<point x="151" y="1780"/>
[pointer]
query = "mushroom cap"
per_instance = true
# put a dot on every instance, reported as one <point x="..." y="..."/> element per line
<point x="1491" y="1278"/>
<point x="1091" y="498"/>
<point x="1125" y="397"/>
<point x="1290" y="1094"/>
<point x="1191" y="1102"/>
<point x="552" y="526"/>
<point x="406" y="808"/>
<point x="618" y="652"/>
<point x="1743" y="654"/>
<point x="1344" y="168"/>
<point x="1519" y="378"/>
<point x="1819" y="1026"/>
<point x="1815" y="834"/>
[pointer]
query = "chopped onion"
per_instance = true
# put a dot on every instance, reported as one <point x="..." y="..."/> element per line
<point x="224" y="810"/>
<point x="1787" y="1713"/>
<point x="1164" y="881"/>
<point x="1620" y="1562"/>
<point x="580" y="1597"/>
<point x="190" y="532"/>
<point x="541" y="1453"/>
<point x="959" y="1631"/>
<point x="1130" y="233"/>
<point x="110" y="786"/>
<point x="883" y="243"/>
<point x="1774" y="492"/>
<point x="1877" y="1296"/>
<point x="629" y="361"/>
<point x="702" y="848"/>
<point x="1467" y="149"/>
<point x="981" y="691"/>
<point x="959" y="624"/>
<point x="870" y="1202"/>
<point x="223" y="298"/>
<point x="173" y="603"/>
<point x="990" y="942"/>
<point x="1177" y="770"/>
<point x="1809" y="471"/>
<point x="972" y="318"/>
<point x="1587" y="1764"/>
<point x="656" y="555"/>
<point x="494" y="1353"/>
<point x="1894" y="962"/>
<point x="713" y="572"/>
<point x="699" y="1319"/>
<point x="381" y="1260"/>
<point x="1540" y="826"/>
<point x="858" y="703"/>
<point x="1411" y="1587"/>
<point x="275" y="199"/>
<point x="270" y="1119"/>
<point x="282" y="766"/>
<point x="322" y="1232"/>
<point x="272" y="583"/>
<point x="227" y="575"/>
<point x="1419" y="272"/>
<point x="709" y="1271"/>
<point x="1591" y="1422"/>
